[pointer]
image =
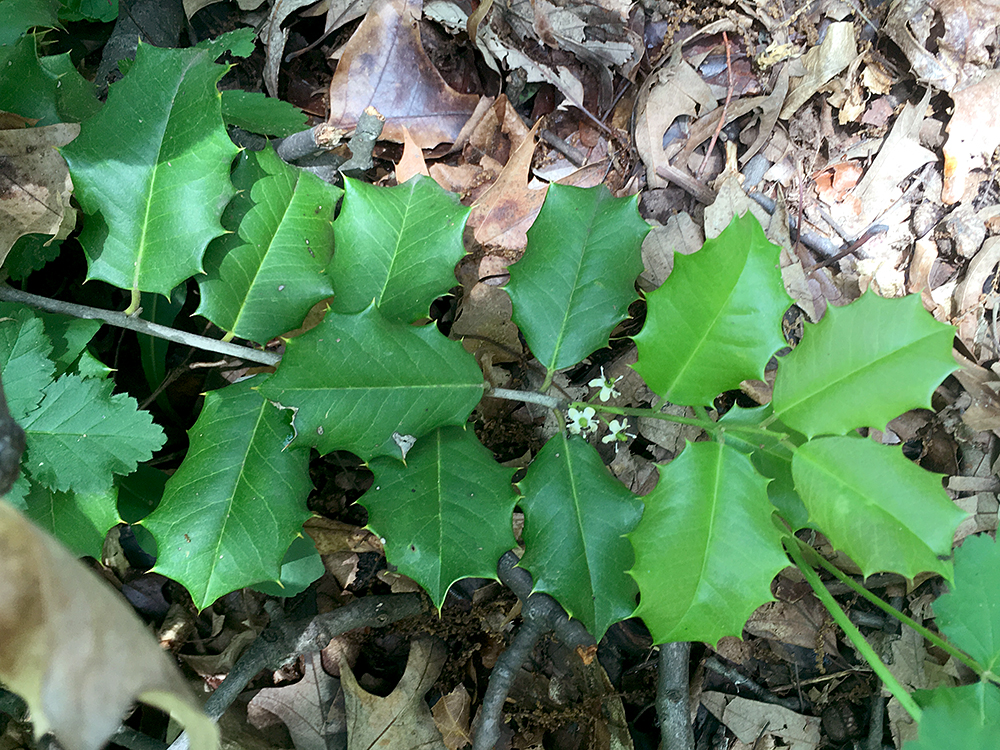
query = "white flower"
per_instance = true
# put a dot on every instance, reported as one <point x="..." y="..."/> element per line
<point x="617" y="434"/>
<point x="607" y="386"/>
<point x="582" y="422"/>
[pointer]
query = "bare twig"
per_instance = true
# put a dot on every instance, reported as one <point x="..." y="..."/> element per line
<point x="673" y="700"/>
<point x="111" y="317"/>
<point x="725" y="106"/>
<point x="528" y="397"/>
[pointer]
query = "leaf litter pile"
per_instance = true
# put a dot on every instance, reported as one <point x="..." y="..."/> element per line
<point x="860" y="136"/>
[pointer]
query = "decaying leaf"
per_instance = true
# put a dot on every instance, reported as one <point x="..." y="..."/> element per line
<point x="74" y="650"/>
<point x="401" y="719"/>
<point x="451" y="715"/>
<point x="35" y="186"/>
<point x="384" y="65"/>
<point x="973" y="135"/>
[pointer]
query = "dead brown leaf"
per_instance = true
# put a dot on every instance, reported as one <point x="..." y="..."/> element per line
<point x="411" y="163"/>
<point x="74" y="651"/>
<point x="384" y="65"/>
<point x="973" y="135"/>
<point x="451" y="715"/>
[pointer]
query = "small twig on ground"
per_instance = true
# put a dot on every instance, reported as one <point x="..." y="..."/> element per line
<point x="284" y="640"/>
<point x="745" y="683"/>
<point x="673" y="699"/>
<point x="689" y="184"/>
<point x="541" y="614"/>
<point x="528" y="397"/>
<point x="725" y="106"/>
<point x="573" y="155"/>
<point x="111" y="317"/>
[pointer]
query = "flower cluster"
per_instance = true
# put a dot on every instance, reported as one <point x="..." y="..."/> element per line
<point x="607" y="386"/>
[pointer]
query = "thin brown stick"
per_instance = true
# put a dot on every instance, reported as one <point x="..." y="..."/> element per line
<point x="725" y="106"/>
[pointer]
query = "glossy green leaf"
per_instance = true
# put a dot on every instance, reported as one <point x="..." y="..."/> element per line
<point x="26" y="88"/>
<point x="576" y="516"/>
<point x="236" y="502"/>
<point x="90" y="10"/>
<point x="81" y="435"/>
<point x="716" y="320"/>
<point x="20" y="15"/>
<point x="75" y="96"/>
<point x="151" y="169"/>
<point x="30" y="253"/>
<point x="969" y="614"/>
<point x="446" y="513"/>
<point x="963" y="718"/>
<point x="863" y="365"/>
<point x="397" y="246"/>
<point x="257" y="113"/>
<point x="706" y="549"/>
<point x="263" y="283"/>
<point x="79" y="520"/>
<point x="771" y="456"/>
<point x="152" y="349"/>
<point x="300" y="566"/>
<point x="881" y="509"/>
<point x="69" y="337"/>
<point x="577" y="277"/>
<point x="355" y="380"/>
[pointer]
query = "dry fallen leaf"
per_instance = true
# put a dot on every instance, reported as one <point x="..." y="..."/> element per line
<point x="973" y="135"/>
<point x="385" y="65"/>
<point x="74" y="651"/>
<point x="35" y="186"/>
<point x="451" y="715"/>
<point x="411" y="163"/>
<point x="401" y="719"/>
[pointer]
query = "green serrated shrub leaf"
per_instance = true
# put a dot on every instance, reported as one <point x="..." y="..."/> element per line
<point x="964" y="718"/>
<point x="863" y="365"/>
<point x="81" y="435"/>
<point x="576" y="516"/>
<point x="231" y="510"/>
<point x="25" y="359"/>
<point x="397" y="246"/>
<point x="969" y="614"/>
<point x="264" y="283"/>
<point x="26" y="88"/>
<point x="78" y="520"/>
<point x="875" y="505"/>
<point x="577" y="277"/>
<point x="446" y="513"/>
<point x="716" y="320"/>
<point x="696" y="582"/>
<point x="354" y="380"/>
<point x="152" y="170"/>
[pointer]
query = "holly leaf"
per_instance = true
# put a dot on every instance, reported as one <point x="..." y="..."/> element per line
<point x="966" y="717"/>
<point x="695" y="583"/>
<point x="969" y="614"/>
<point x="446" y="513"/>
<point x="577" y="277"/>
<point x="263" y="283"/>
<point x="716" y="320"/>
<point x="771" y="456"/>
<point x="81" y="434"/>
<point x="863" y="365"/>
<point x="355" y="380"/>
<point x="152" y="169"/>
<point x="78" y="520"/>
<point x="878" y="507"/>
<point x="236" y="502"/>
<point x="576" y="516"/>
<point x="257" y="113"/>
<point x="397" y="246"/>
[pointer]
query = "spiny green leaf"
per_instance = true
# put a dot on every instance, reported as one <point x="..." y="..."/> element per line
<point x="969" y="614"/>
<point x="964" y="718"/>
<point x="81" y="435"/>
<point x="78" y="520"/>
<point x="26" y="88"/>
<point x="355" y="380"/>
<point x="397" y="246"/>
<point x="446" y="513"/>
<point x="863" y="365"/>
<point x="231" y="510"/>
<point x="257" y="113"/>
<point x="576" y="516"/>
<point x="771" y="456"/>
<point x="696" y="581"/>
<point x="716" y="320"/>
<point x="21" y="15"/>
<point x="265" y="284"/>
<point x="881" y="509"/>
<point x="152" y="170"/>
<point x="577" y="276"/>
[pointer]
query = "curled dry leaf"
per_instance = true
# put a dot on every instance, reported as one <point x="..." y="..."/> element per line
<point x="74" y="650"/>
<point x="35" y="186"/>
<point x="385" y="65"/>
